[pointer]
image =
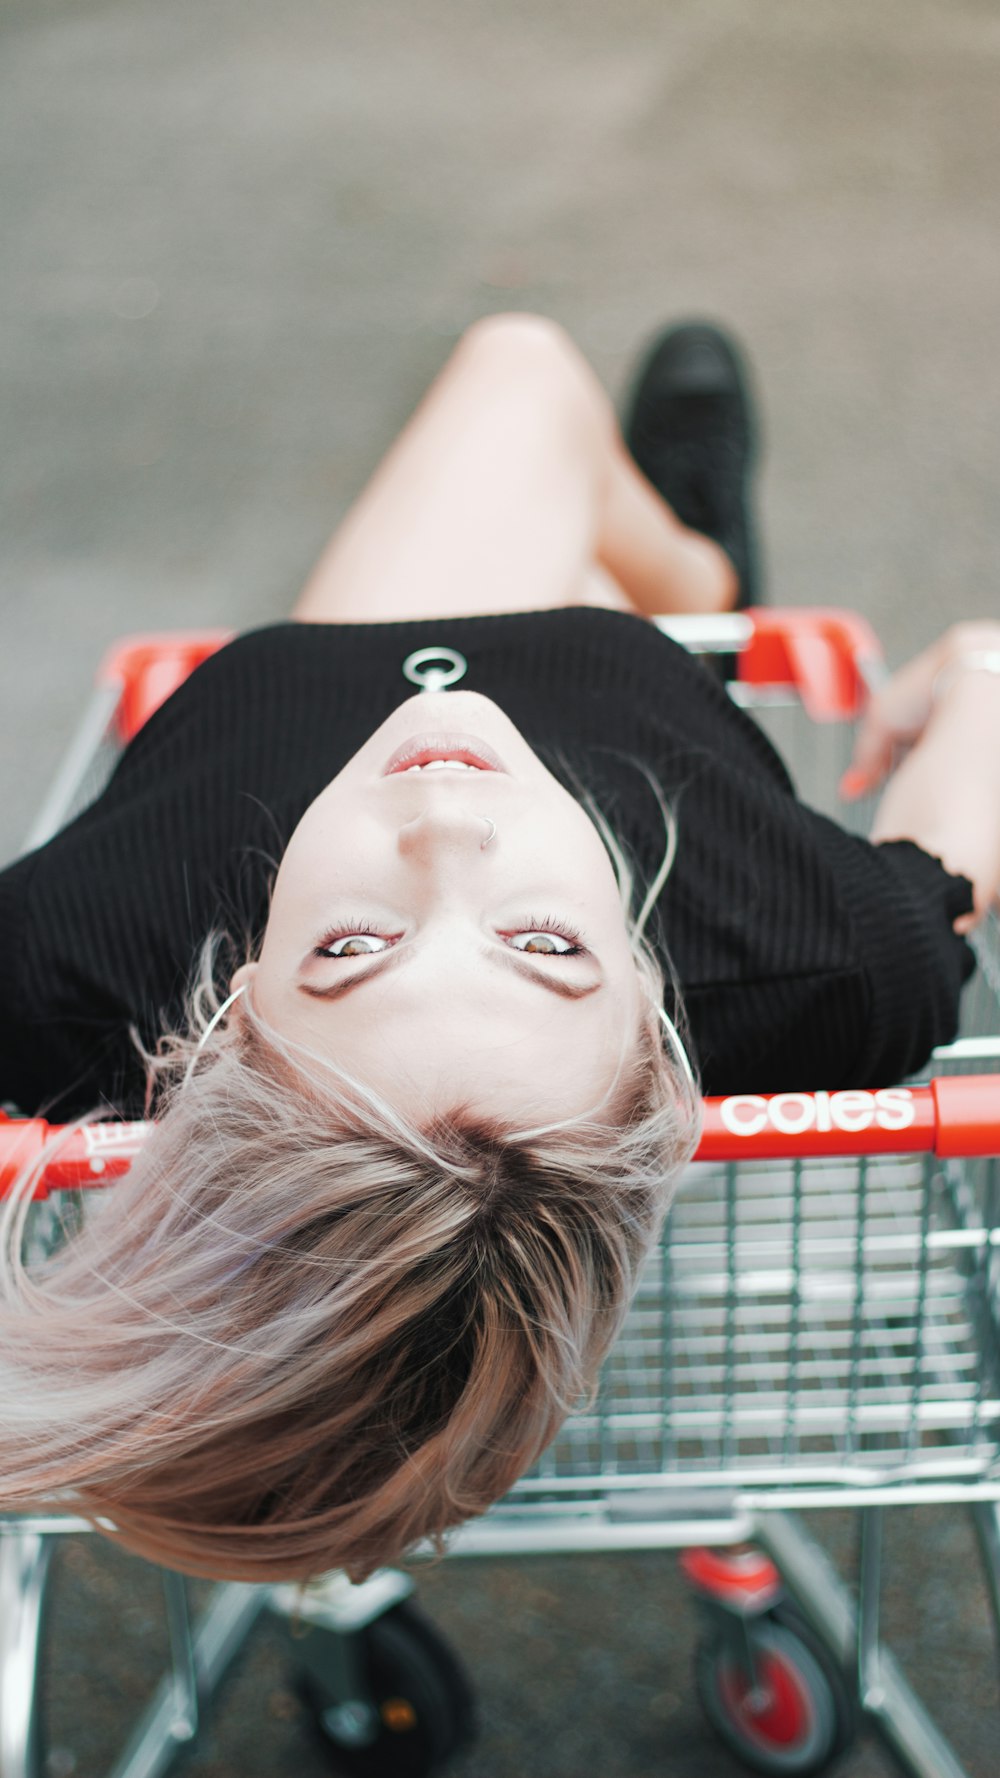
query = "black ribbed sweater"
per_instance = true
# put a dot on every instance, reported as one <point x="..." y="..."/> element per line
<point x="806" y="957"/>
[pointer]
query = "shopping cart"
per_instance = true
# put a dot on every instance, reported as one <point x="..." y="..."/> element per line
<point x="819" y="1327"/>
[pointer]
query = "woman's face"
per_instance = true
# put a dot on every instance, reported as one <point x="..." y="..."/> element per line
<point x="443" y="971"/>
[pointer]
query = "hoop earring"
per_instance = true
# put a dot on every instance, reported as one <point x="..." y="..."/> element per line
<point x="680" y="1053"/>
<point x="209" y="1028"/>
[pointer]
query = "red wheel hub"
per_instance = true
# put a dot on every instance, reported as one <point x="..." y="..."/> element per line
<point x="776" y="1711"/>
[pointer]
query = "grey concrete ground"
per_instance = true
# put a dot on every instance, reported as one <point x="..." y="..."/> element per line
<point x="582" y="1665"/>
<point x="237" y="241"/>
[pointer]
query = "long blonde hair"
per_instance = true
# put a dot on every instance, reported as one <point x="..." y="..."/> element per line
<point x="304" y="1334"/>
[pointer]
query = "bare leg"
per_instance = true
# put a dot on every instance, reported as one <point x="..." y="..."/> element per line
<point x="511" y="490"/>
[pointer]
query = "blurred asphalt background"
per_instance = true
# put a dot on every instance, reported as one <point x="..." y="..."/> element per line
<point x="237" y="241"/>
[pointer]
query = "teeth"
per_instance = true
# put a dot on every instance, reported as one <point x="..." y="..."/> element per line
<point x="444" y="765"/>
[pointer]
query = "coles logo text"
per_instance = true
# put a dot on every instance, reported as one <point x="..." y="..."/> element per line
<point x="794" y="1114"/>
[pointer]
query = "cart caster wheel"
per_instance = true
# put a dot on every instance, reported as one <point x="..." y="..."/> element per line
<point x="420" y="1709"/>
<point x="798" y="1719"/>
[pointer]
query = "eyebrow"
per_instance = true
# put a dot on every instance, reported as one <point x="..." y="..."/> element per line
<point x="504" y="960"/>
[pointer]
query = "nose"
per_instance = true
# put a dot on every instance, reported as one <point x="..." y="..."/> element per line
<point x="444" y="826"/>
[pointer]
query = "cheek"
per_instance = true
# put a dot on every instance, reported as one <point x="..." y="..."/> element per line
<point x="596" y="875"/>
<point x="317" y="857"/>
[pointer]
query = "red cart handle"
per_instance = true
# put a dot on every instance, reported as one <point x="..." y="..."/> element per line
<point x="96" y="1154"/>
<point x="830" y="657"/>
<point x="958" y="1115"/>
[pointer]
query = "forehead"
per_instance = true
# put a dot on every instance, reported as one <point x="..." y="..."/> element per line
<point x="517" y="1052"/>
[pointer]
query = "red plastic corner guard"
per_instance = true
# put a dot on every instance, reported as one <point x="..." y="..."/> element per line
<point x="149" y="668"/>
<point x="743" y="1581"/>
<point x="830" y="656"/>
<point x="967" y="1108"/>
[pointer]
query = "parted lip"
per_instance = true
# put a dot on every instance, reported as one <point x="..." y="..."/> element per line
<point x="419" y="750"/>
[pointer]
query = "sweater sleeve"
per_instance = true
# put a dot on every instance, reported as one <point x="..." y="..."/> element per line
<point x="64" y="1043"/>
<point x="902" y="903"/>
<point x="809" y="957"/>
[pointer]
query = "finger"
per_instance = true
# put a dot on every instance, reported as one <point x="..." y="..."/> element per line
<point x="871" y="761"/>
<point x="853" y="784"/>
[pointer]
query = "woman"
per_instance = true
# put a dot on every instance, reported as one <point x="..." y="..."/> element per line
<point x="416" y="1137"/>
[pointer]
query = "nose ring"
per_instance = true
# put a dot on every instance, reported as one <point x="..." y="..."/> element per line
<point x="491" y="835"/>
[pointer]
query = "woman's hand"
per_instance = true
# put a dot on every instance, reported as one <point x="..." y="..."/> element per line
<point x="899" y="712"/>
<point x="944" y="706"/>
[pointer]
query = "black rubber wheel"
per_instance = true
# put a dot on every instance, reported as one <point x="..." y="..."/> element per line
<point x="799" y="1720"/>
<point x="423" y="1699"/>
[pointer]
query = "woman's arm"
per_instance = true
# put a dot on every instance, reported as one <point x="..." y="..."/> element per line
<point x="511" y="490"/>
<point x="945" y="795"/>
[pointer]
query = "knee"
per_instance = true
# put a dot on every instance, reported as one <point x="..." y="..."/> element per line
<point x="537" y="354"/>
<point x="531" y="338"/>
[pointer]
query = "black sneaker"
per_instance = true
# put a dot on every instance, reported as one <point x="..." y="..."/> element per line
<point x="690" y="427"/>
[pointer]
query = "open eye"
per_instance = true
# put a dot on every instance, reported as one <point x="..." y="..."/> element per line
<point x="545" y="938"/>
<point x="354" y="939"/>
<point x="356" y="944"/>
<point x="546" y="944"/>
